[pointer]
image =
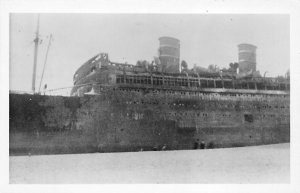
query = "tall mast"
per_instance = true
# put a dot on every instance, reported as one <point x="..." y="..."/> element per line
<point x="36" y="42"/>
<point x="45" y="61"/>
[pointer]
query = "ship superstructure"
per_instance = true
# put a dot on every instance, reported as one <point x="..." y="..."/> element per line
<point x="166" y="73"/>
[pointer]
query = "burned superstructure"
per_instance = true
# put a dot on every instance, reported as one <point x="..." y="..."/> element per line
<point x="166" y="73"/>
<point x="151" y="105"/>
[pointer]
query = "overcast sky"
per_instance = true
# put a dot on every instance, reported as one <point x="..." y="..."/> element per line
<point x="205" y="39"/>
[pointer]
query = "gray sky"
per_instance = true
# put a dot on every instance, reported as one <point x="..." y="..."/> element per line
<point x="205" y="39"/>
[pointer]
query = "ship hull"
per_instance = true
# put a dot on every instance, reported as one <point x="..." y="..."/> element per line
<point x="120" y="121"/>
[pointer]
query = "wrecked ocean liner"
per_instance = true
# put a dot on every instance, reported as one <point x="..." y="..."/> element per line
<point x="163" y="104"/>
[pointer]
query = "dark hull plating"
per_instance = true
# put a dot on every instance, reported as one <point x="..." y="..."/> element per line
<point x="135" y="120"/>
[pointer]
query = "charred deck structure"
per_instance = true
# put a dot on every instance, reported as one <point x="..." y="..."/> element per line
<point x="148" y="106"/>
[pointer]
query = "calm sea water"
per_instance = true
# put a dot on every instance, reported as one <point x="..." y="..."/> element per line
<point x="259" y="164"/>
